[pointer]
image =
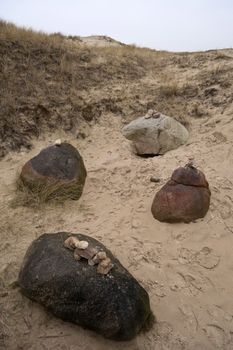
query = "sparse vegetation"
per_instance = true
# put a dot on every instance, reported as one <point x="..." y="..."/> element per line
<point x="221" y="56"/>
<point x="169" y="90"/>
<point x="51" y="80"/>
<point x="197" y="110"/>
<point x="10" y="32"/>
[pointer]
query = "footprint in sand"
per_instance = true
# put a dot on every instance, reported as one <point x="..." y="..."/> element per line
<point x="191" y="321"/>
<point x="195" y="282"/>
<point x="151" y="253"/>
<point x="205" y="257"/>
<point x="216" y="335"/>
<point x="223" y="206"/>
<point x="162" y="337"/>
<point x="154" y="287"/>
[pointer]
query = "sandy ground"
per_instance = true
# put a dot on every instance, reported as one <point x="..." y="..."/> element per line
<point x="186" y="268"/>
<point x="99" y="41"/>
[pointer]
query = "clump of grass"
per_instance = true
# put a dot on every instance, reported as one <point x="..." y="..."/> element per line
<point x="35" y="194"/>
<point x="169" y="90"/>
<point x="197" y="110"/>
<point x="221" y="56"/>
<point x="217" y="74"/>
<point x="218" y="69"/>
<point x="9" y="31"/>
<point x="171" y="87"/>
<point x="183" y="119"/>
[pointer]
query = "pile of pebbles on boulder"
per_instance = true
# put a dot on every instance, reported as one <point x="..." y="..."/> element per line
<point x="94" y="256"/>
<point x="155" y="134"/>
<point x="58" y="169"/>
<point x="184" y="198"/>
<point x="110" y="302"/>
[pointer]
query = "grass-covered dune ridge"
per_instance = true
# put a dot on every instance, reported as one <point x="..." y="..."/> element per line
<point x="53" y="80"/>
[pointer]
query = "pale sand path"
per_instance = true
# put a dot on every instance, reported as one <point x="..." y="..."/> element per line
<point x="186" y="268"/>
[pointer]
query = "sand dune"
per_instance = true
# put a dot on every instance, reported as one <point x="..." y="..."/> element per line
<point x="51" y="89"/>
<point x="186" y="268"/>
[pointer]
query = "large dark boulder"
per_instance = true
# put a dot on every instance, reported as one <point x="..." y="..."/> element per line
<point x="114" y="305"/>
<point x="57" y="171"/>
<point x="184" y="198"/>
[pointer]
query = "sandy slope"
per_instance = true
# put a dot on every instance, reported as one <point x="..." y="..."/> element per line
<point x="186" y="268"/>
<point x="99" y="41"/>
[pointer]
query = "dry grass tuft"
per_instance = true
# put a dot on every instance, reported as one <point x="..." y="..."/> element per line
<point x="172" y="88"/>
<point x="9" y="31"/>
<point x="169" y="90"/>
<point x="197" y="110"/>
<point x="221" y="56"/>
<point x="37" y="194"/>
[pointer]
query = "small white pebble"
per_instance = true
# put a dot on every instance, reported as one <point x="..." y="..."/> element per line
<point x="82" y="245"/>
<point x="57" y="142"/>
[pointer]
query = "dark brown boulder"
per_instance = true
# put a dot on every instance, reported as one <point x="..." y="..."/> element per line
<point x="114" y="304"/>
<point x="58" y="170"/>
<point x="184" y="198"/>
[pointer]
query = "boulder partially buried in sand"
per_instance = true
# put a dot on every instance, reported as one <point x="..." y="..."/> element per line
<point x="155" y="134"/>
<point x="184" y="198"/>
<point x="112" y="304"/>
<point x="57" y="171"/>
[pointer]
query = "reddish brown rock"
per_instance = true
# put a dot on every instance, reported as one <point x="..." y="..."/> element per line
<point x="184" y="198"/>
<point x="189" y="176"/>
<point x="58" y="169"/>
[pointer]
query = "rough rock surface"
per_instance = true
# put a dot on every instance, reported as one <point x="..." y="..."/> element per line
<point x="155" y="134"/>
<point x="186" y="197"/>
<point x="114" y="305"/>
<point x="60" y="168"/>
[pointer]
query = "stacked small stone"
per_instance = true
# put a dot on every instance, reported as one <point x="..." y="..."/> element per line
<point x="82" y="249"/>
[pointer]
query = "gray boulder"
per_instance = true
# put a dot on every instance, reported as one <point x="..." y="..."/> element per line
<point x="155" y="134"/>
